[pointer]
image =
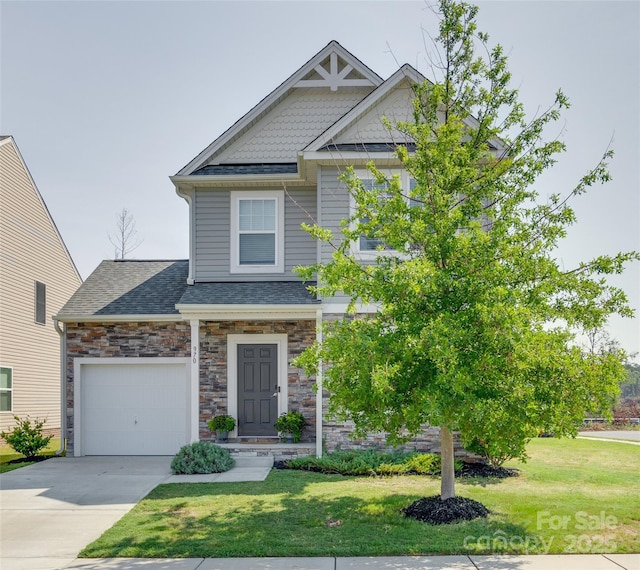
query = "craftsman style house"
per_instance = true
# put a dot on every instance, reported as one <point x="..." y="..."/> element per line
<point x="37" y="277"/>
<point x="154" y="349"/>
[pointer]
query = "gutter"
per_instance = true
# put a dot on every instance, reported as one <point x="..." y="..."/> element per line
<point x="63" y="386"/>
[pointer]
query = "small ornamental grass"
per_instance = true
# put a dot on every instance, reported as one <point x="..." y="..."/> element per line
<point x="371" y="462"/>
<point x="200" y="458"/>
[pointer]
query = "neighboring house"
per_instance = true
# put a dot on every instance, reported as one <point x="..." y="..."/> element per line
<point x="37" y="277"/>
<point x="154" y="349"/>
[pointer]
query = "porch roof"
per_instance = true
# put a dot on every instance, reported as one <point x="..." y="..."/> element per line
<point x="249" y="293"/>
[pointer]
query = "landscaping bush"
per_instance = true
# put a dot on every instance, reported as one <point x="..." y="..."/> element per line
<point x="371" y="462"/>
<point x="200" y="458"/>
<point x="27" y="437"/>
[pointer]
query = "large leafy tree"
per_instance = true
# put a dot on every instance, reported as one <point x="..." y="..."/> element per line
<point x="474" y="324"/>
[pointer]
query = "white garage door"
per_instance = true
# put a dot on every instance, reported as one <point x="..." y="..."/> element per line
<point x="133" y="409"/>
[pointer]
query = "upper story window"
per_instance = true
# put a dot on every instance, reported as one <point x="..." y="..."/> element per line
<point x="6" y="389"/>
<point x="40" y="303"/>
<point x="369" y="245"/>
<point x="257" y="232"/>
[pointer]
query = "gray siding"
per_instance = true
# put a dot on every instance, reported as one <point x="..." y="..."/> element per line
<point x="212" y="235"/>
<point x="299" y="247"/>
<point x="334" y="207"/>
<point x="212" y="211"/>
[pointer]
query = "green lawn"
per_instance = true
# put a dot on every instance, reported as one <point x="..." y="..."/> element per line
<point x="572" y="496"/>
<point x="7" y="454"/>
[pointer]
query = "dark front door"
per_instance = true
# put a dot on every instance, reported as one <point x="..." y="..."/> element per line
<point x="257" y="389"/>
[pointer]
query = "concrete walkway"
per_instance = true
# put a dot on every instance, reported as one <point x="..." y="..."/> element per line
<point x="51" y="510"/>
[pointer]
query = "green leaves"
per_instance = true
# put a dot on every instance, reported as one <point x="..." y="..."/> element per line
<point x="475" y="317"/>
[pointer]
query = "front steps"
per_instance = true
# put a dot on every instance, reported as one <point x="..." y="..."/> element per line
<point x="278" y="451"/>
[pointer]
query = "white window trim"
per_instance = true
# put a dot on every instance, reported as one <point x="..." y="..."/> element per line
<point x="234" y="266"/>
<point x="8" y="390"/>
<point x="405" y="179"/>
<point x="233" y="340"/>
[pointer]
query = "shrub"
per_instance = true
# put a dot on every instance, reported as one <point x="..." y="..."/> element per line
<point x="201" y="457"/>
<point x="27" y="438"/>
<point x="222" y="423"/>
<point x="372" y="462"/>
<point x="291" y="422"/>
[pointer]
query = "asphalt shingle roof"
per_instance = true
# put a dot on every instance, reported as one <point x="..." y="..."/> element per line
<point x="249" y="293"/>
<point x="265" y="168"/>
<point x="130" y="287"/>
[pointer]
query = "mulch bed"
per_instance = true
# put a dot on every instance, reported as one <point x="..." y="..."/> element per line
<point x="484" y="470"/>
<point x="434" y="510"/>
<point x="35" y="459"/>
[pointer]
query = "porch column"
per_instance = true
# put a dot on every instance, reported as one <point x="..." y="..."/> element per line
<point x="319" y="390"/>
<point x="194" y="391"/>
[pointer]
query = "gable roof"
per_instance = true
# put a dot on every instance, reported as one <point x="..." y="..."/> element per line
<point x="331" y="67"/>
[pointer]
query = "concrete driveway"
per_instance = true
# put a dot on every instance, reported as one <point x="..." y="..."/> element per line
<point x="49" y="511"/>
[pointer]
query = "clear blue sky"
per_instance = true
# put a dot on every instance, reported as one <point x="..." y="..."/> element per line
<point x="106" y="100"/>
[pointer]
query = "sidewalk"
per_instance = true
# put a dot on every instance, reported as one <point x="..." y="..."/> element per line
<point x="542" y="562"/>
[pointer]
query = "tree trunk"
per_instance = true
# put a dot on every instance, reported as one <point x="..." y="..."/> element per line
<point x="447" y="474"/>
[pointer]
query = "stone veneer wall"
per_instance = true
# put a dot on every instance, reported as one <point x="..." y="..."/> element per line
<point x="213" y="368"/>
<point x="336" y="436"/>
<point x="100" y="340"/>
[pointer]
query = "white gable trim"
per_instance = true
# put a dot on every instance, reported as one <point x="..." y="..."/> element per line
<point x="331" y="48"/>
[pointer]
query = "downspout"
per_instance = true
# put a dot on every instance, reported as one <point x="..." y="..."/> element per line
<point x="319" y="388"/>
<point x="63" y="386"/>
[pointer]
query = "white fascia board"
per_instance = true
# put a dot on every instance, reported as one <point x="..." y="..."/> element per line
<point x="116" y="318"/>
<point x="226" y="179"/>
<point x="245" y="312"/>
<point x="405" y="72"/>
<point x="273" y="97"/>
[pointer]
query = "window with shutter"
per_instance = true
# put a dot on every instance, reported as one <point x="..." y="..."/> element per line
<point x="40" y="303"/>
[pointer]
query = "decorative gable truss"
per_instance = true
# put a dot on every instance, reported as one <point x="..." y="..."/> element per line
<point x="334" y="72"/>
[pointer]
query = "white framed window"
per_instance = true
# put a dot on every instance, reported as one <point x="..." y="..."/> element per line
<point x="6" y="389"/>
<point x="257" y="232"/>
<point x="40" y="302"/>
<point x="368" y="246"/>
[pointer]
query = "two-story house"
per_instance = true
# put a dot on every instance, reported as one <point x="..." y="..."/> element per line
<point x="37" y="277"/>
<point x="154" y="349"/>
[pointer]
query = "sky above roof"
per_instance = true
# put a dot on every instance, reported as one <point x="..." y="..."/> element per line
<point x="106" y="100"/>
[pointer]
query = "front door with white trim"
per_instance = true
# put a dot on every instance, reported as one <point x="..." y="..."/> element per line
<point x="257" y="389"/>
